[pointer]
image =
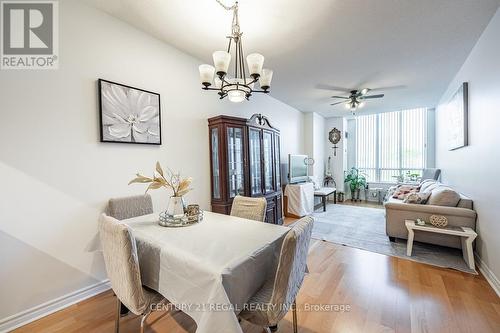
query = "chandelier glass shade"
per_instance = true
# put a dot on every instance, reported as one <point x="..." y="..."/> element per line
<point x="237" y="85"/>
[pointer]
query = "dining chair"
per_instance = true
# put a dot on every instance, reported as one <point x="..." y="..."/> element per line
<point x="122" y="266"/>
<point x="128" y="207"/>
<point x="249" y="208"/>
<point x="271" y="303"/>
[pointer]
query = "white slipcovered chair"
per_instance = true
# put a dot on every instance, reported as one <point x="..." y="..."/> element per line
<point x="122" y="266"/>
<point x="128" y="207"/>
<point x="249" y="208"/>
<point x="271" y="303"/>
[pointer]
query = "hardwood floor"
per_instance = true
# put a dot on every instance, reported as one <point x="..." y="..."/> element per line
<point x="373" y="292"/>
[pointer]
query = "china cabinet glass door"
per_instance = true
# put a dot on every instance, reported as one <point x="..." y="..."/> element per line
<point x="235" y="161"/>
<point x="267" y="141"/>
<point x="214" y="138"/>
<point x="277" y="162"/>
<point x="255" y="166"/>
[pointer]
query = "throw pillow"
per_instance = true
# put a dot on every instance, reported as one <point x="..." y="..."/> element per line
<point x="426" y="184"/>
<point x="417" y="198"/>
<point x="404" y="190"/>
<point x="430" y="187"/>
<point x="444" y="196"/>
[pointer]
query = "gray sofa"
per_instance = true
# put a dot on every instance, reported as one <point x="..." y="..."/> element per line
<point x="460" y="214"/>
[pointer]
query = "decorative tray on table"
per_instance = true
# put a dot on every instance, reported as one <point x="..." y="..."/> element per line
<point x="170" y="221"/>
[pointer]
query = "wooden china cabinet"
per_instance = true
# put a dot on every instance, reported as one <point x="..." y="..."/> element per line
<point x="245" y="160"/>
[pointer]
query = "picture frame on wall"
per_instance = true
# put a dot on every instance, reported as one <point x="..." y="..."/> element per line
<point x="457" y="111"/>
<point x="129" y="114"/>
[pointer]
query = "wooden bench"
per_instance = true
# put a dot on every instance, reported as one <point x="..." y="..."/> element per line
<point x="324" y="192"/>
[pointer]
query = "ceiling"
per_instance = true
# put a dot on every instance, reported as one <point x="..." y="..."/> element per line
<point x="407" y="49"/>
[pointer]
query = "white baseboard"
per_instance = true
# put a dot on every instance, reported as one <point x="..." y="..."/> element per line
<point x="488" y="274"/>
<point x="42" y="310"/>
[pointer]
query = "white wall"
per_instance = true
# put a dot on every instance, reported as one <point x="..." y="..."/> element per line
<point x="473" y="170"/>
<point x="338" y="162"/>
<point x="57" y="177"/>
<point x="314" y="144"/>
<point x="319" y="146"/>
<point x="309" y="138"/>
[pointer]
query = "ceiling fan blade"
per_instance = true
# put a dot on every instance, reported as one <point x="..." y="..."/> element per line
<point x="373" y="96"/>
<point x="338" y="103"/>
<point x="332" y="87"/>
<point x="343" y="97"/>
<point x="388" y="88"/>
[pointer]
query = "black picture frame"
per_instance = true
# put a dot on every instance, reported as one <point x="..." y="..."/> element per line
<point x="458" y="118"/>
<point x="102" y="126"/>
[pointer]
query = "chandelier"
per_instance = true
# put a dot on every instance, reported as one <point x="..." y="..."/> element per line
<point x="237" y="87"/>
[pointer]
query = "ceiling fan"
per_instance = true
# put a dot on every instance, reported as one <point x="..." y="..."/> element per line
<point x="356" y="99"/>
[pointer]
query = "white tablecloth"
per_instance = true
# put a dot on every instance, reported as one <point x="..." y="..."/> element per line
<point x="300" y="198"/>
<point x="209" y="269"/>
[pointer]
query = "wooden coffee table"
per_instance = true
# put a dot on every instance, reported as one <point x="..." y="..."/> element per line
<point x="467" y="236"/>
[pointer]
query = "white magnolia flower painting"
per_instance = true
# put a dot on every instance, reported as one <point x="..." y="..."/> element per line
<point x="128" y="114"/>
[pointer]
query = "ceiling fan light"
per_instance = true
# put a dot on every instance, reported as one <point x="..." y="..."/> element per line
<point x="266" y="78"/>
<point x="221" y="62"/>
<point x="236" y="96"/>
<point x="255" y="62"/>
<point x="360" y="105"/>
<point x="206" y="74"/>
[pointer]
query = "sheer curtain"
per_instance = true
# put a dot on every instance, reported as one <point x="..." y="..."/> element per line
<point x="392" y="143"/>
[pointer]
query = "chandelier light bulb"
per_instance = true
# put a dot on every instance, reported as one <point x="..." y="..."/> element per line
<point x="222" y="59"/>
<point x="236" y="96"/>
<point x="255" y="62"/>
<point x="265" y="78"/>
<point x="206" y="74"/>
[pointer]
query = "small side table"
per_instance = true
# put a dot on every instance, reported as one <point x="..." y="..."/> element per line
<point x="324" y="192"/>
<point x="467" y="236"/>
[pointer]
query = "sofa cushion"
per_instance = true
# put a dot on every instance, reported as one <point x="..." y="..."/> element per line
<point x="443" y="196"/>
<point x="465" y="202"/>
<point x="417" y="198"/>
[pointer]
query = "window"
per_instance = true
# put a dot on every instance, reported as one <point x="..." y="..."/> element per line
<point x="391" y="144"/>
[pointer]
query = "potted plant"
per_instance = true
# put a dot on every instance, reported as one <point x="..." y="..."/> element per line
<point x="356" y="181"/>
<point x="173" y="181"/>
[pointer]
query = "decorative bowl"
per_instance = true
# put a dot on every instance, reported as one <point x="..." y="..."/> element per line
<point x="167" y="220"/>
<point x="439" y="221"/>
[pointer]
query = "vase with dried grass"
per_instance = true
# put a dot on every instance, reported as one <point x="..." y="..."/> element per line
<point x="170" y="180"/>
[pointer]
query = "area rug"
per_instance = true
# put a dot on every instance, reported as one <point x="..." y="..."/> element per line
<point x="364" y="228"/>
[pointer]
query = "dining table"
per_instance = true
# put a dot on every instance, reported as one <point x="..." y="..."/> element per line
<point x="210" y="269"/>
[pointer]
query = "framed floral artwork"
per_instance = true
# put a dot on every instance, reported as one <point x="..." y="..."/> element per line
<point x="128" y="114"/>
